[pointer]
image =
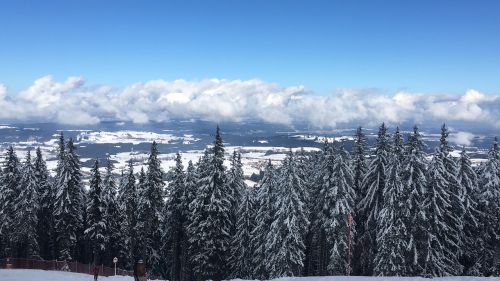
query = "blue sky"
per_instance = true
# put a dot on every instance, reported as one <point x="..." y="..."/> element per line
<point x="418" y="46"/>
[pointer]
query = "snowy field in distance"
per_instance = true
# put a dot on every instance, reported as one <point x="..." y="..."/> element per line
<point x="42" y="275"/>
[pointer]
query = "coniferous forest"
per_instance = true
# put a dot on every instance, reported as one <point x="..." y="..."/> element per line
<point x="387" y="210"/>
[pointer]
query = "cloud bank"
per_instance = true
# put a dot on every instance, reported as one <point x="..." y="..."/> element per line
<point x="74" y="102"/>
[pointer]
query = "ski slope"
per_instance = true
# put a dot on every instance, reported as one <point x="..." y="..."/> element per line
<point x="42" y="275"/>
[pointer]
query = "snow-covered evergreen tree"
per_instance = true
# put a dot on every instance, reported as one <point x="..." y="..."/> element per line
<point x="242" y="250"/>
<point x="129" y="209"/>
<point x="68" y="203"/>
<point x="211" y="217"/>
<point x="9" y="191"/>
<point x="96" y="223"/>
<point x="150" y="208"/>
<point x="26" y="212"/>
<point x="337" y="198"/>
<point x="413" y="176"/>
<point x="235" y="185"/>
<point x="398" y="148"/>
<point x="112" y="216"/>
<point x="392" y="235"/>
<point x="441" y="248"/>
<point x="46" y="194"/>
<point x="471" y="220"/>
<point x="285" y="239"/>
<point x="191" y="189"/>
<point x="358" y="160"/>
<point x="177" y="209"/>
<point x="456" y="208"/>
<point x="372" y="202"/>
<point x="359" y="168"/>
<point x="266" y="196"/>
<point x="489" y="204"/>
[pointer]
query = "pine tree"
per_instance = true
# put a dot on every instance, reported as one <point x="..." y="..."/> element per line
<point x="46" y="193"/>
<point x="68" y="203"/>
<point x="489" y="204"/>
<point x="9" y="192"/>
<point x="266" y="196"/>
<point x="97" y="225"/>
<point x="210" y="217"/>
<point x="286" y="236"/>
<point x="177" y="209"/>
<point x="26" y="212"/>
<point x="413" y="176"/>
<point x="372" y="202"/>
<point x="392" y="234"/>
<point x="242" y="249"/>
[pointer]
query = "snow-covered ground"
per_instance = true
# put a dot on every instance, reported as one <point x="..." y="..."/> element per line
<point x="133" y="137"/>
<point x="42" y="275"/>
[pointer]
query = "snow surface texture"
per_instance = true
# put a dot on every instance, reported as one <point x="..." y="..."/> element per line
<point x="42" y="275"/>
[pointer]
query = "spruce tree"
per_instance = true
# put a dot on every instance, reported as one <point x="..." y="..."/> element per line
<point x="151" y="208"/>
<point x="242" y="250"/>
<point x="359" y="168"/>
<point x="456" y="192"/>
<point x="9" y="192"/>
<point x="235" y="185"/>
<point x="372" y="202"/>
<point x="285" y="239"/>
<point x="97" y="225"/>
<point x="398" y="148"/>
<point x="46" y="193"/>
<point x="392" y="235"/>
<point x="26" y="212"/>
<point x="177" y="208"/>
<point x="129" y="208"/>
<point x="211" y="217"/>
<point x="413" y="176"/>
<point x="338" y="197"/>
<point x="68" y="207"/>
<point x="489" y="204"/>
<point x="441" y="248"/>
<point x="471" y="220"/>
<point x="358" y="160"/>
<point x="191" y="189"/>
<point x="112" y="216"/>
<point x="266" y="196"/>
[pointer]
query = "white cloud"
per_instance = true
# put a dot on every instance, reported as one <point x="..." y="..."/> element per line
<point x="73" y="102"/>
<point x="461" y="138"/>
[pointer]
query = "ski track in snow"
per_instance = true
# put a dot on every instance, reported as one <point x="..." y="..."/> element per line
<point x="42" y="275"/>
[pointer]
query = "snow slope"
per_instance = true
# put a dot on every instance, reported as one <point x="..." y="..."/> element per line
<point x="42" y="275"/>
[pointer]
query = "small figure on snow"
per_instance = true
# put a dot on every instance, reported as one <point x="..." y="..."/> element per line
<point x="140" y="271"/>
<point x="95" y="271"/>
